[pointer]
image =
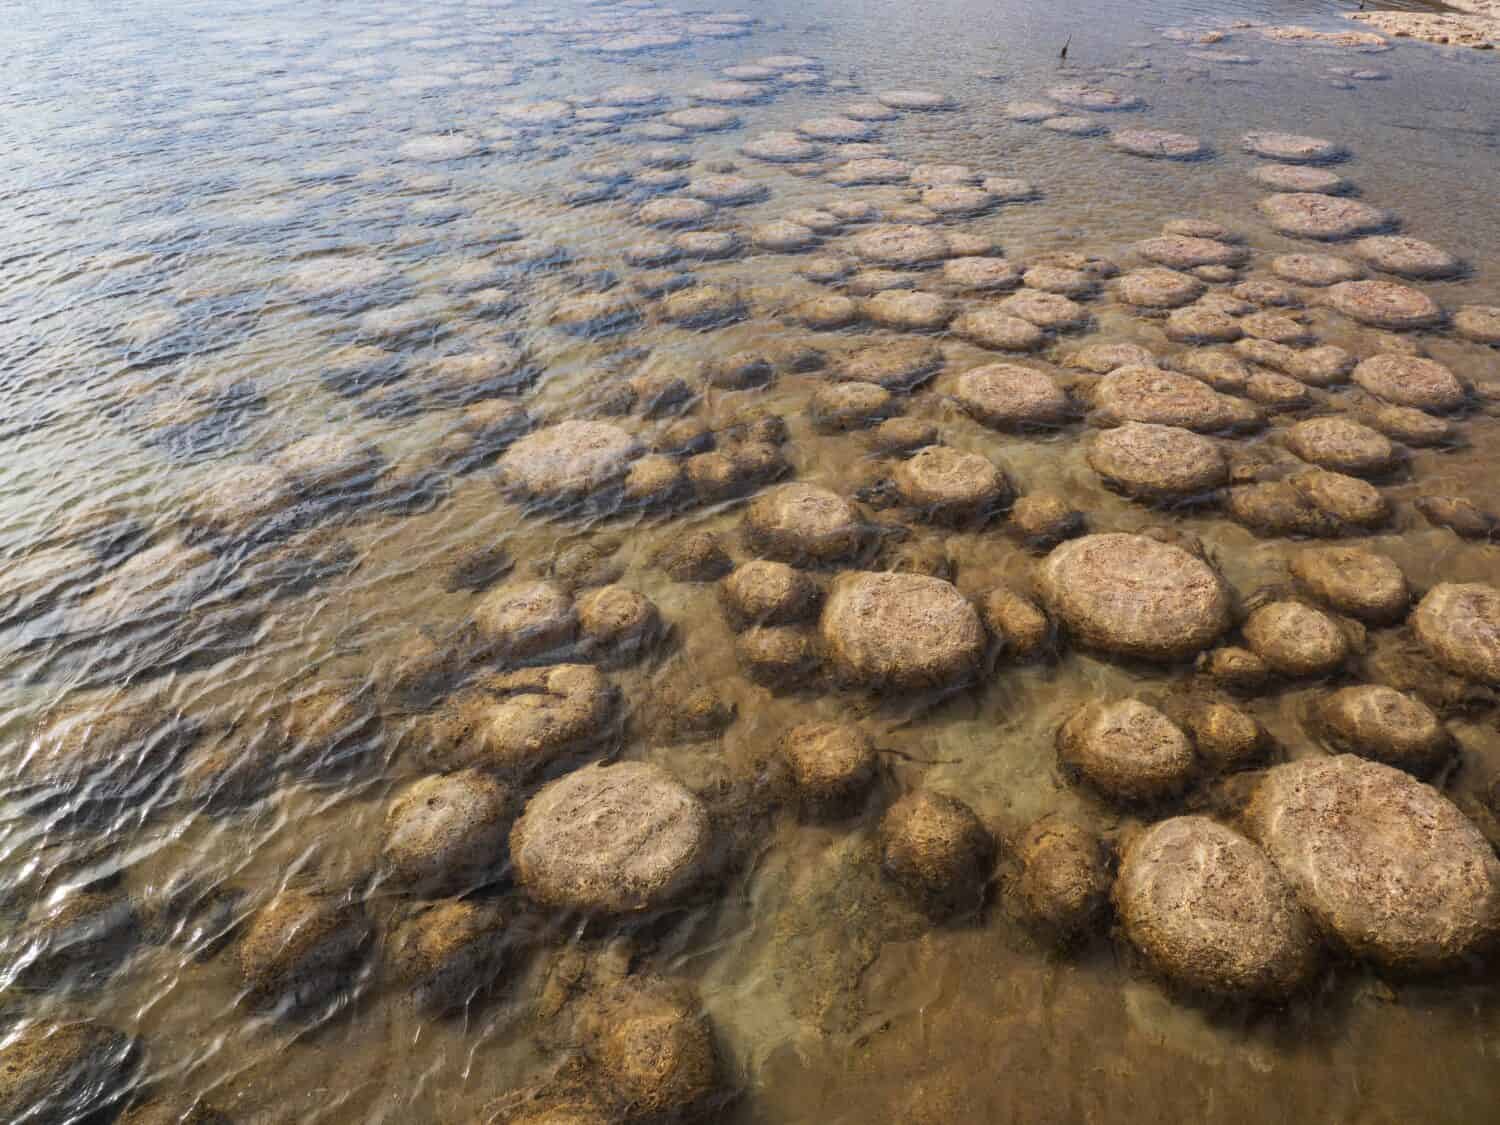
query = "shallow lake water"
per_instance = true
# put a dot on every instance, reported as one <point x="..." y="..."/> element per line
<point x="230" y="228"/>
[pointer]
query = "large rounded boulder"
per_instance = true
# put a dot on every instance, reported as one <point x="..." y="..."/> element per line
<point x="611" y="839"/>
<point x="900" y="632"/>
<point x="800" y="523"/>
<point x="1387" y="866"/>
<point x="301" y="945"/>
<point x="1134" y="596"/>
<point x="1211" y="913"/>
<point x="1458" y="623"/>
<point x="1126" y="750"/>
<point x="52" y="1073"/>
<point x="1386" y="725"/>
<point x="446" y="833"/>
<point x="569" y="460"/>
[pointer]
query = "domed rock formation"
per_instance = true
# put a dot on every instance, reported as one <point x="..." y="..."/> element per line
<point x="1459" y="626"/>
<point x="900" y="632"/>
<point x="1383" y="724"/>
<point x="611" y="839"/>
<point x="934" y="846"/>
<point x="1387" y="866"/>
<point x="446" y="833"/>
<point x="1211" y="913"/>
<point x="1134" y="596"/>
<point x="1127" y="750"/>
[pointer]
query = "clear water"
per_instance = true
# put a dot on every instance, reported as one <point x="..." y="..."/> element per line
<point x="169" y="172"/>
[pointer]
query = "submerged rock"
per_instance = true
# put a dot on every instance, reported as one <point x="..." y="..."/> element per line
<point x="654" y="1048"/>
<point x="446" y="834"/>
<point x="1354" y="581"/>
<point x="1135" y="596"/>
<point x="1459" y="626"/>
<point x="444" y="954"/>
<point x="804" y="523"/>
<point x="1063" y="884"/>
<point x="900" y="632"/>
<point x="1408" y="380"/>
<point x="1210" y="912"/>
<point x="1296" y="639"/>
<point x="1388" y="867"/>
<point x="301" y="946"/>
<point x="934" y="846"/>
<point x="1127" y="750"/>
<point x="613" y="839"/>
<point x="830" y="763"/>
<point x="1158" y="462"/>
<point x="1385" y="304"/>
<point x="570" y="460"/>
<point x="1386" y="725"/>
<point x="54" y="1073"/>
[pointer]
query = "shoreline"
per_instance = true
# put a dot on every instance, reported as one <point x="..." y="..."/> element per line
<point x="1470" y="23"/>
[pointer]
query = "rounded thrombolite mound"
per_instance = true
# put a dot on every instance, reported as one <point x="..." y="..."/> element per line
<point x="934" y="846"/>
<point x="993" y="328"/>
<point x="1158" y="462"/>
<point x="763" y="592"/>
<point x="946" y="485"/>
<point x="569" y="460"/>
<point x="804" y="523"/>
<point x="1408" y="380"/>
<point x="1343" y="445"/>
<point x="703" y="306"/>
<point x="1159" y="288"/>
<point x="1407" y="257"/>
<point x="1127" y="751"/>
<point x="697" y="556"/>
<point x="1310" y="214"/>
<point x="1020" y="629"/>
<point x="1135" y="596"/>
<point x="654" y="1049"/>
<point x="1291" y="148"/>
<point x="1042" y="521"/>
<point x="1460" y="516"/>
<point x="1381" y="723"/>
<point x="1063" y="884"/>
<point x="830" y="763"/>
<point x="611" y="839"/>
<point x="901" y="246"/>
<point x="907" y="310"/>
<point x="516" y="722"/>
<point x="1384" y="304"/>
<point x="1354" y="581"/>
<point x="444" y="954"/>
<point x="850" y="406"/>
<point x="1479" y="323"/>
<point x="897" y="365"/>
<point x="1296" y="639"/>
<point x="1212" y="914"/>
<point x="1225" y="737"/>
<point x="1149" y="394"/>
<point x="1007" y="395"/>
<point x="618" y="623"/>
<point x="301" y="946"/>
<point x="1459" y="626"/>
<point x="446" y="834"/>
<point x="1185" y="252"/>
<point x="900" y="632"/>
<point x="1300" y="177"/>
<point x="980" y="274"/>
<point x="524" y="621"/>
<point x="62" y="1072"/>
<point x="1159" y="144"/>
<point x="778" y="657"/>
<point x="1387" y="866"/>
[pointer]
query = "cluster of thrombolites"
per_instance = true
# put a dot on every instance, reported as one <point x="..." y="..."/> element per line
<point x="1243" y="870"/>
